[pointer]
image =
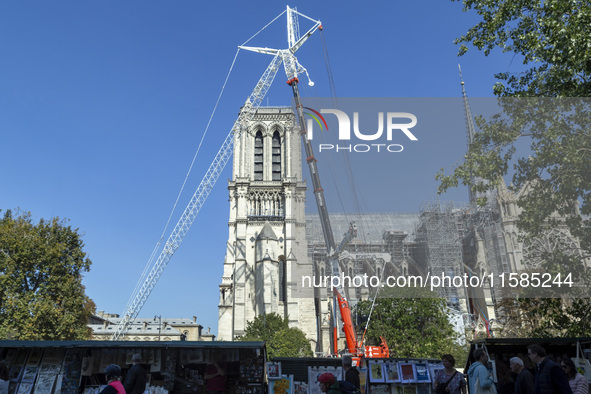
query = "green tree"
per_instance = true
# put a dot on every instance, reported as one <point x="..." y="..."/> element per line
<point x="551" y="38"/>
<point x="544" y="144"/>
<point x="543" y="318"/>
<point x="414" y="325"/>
<point x="281" y="340"/>
<point x="41" y="291"/>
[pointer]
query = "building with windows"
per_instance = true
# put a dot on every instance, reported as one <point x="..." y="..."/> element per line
<point x="158" y="328"/>
<point x="272" y="243"/>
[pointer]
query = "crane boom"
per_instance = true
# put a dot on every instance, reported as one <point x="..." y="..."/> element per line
<point x="354" y="347"/>
<point x="199" y="197"/>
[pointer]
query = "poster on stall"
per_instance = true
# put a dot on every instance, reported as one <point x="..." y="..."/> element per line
<point x="87" y="363"/>
<point x="391" y="372"/>
<point x="422" y="373"/>
<point x="25" y="388"/>
<point x="407" y="373"/>
<point x="273" y="370"/>
<point x="45" y="382"/>
<point x="409" y="389"/>
<point x="29" y="374"/>
<point x="376" y="372"/>
<point x="284" y="385"/>
<point x="300" y="388"/>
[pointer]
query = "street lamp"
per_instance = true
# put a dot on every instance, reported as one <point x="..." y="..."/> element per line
<point x="159" y="317"/>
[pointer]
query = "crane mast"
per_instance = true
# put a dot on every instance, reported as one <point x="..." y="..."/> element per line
<point x="354" y="347"/>
<point x="292" y="69"/>
<point x="252" y="103"/>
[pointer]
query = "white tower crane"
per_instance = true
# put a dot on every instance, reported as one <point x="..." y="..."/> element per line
<point x="252" y="103"/>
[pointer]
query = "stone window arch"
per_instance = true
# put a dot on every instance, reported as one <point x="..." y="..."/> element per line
<point x="276" y="157"/>
<point x="258" y="156"/>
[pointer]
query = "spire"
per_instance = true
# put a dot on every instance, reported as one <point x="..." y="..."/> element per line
<point x="470" y="128"/>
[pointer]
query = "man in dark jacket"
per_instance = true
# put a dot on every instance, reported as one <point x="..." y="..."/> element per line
<point x="135" y="380"/>
<point x="351" y="372"/>
<point x="550" y="378"/>
<point x="524" y="384"/>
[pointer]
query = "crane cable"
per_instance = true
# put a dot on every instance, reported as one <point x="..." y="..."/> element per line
<point x="349" y="175"/>
<point x="157" y="247"/>
<point x="328" y="68"/>
<point x="351" y="180"/>
<point x="347" y="164"/>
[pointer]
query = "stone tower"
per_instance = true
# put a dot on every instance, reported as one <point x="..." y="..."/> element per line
<point x="266" y="253"/>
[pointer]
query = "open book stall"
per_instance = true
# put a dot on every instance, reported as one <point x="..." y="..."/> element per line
<point x="401" y="376"/>
<point x="393" y="375"/>
<point x="300" y="375"/>
<point x="48" y="367"/>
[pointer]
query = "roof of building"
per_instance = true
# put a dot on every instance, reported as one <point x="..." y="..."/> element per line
<point x="146" y="326"/>
<point x="136" y="329"/>
<point x="370" y="226"/>
<point x="133" y="344"/>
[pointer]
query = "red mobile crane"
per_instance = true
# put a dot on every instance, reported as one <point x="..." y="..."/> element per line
<point x="354" y="347"/>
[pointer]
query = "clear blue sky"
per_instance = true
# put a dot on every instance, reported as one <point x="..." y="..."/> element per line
<point x="103" y="105"/>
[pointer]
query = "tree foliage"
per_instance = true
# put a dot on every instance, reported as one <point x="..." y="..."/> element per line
<point x="281" y="340"/>
<point x="542" y="140"/>
<point x="543" y="318"/>
<point x="554" y="41"/>
<point x="551" y="38"/>
<point x="41" y="291"/>
<point x="413" y="327"/>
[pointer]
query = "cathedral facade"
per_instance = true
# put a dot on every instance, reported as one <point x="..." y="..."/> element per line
<point x="266" y="252"/>
<point x="272" y="244"/>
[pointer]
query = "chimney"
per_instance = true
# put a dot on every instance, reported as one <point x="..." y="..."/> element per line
<point x="194" y="319"/>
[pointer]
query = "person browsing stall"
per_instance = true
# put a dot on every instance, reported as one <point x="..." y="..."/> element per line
<point x="449" y="380"/>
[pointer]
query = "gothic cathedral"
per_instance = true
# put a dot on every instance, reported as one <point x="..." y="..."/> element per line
<point x="266" y="252"/>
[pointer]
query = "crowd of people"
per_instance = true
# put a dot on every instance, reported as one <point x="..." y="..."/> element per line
<point x="549" y="377"/>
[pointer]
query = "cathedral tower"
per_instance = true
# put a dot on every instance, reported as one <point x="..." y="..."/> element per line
<point x="266" y="252"/>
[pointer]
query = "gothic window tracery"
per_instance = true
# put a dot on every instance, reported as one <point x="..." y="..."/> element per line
<point x="276" y="157"/>
<point x="258" y="156"/>
<point x="555" y="239"/>
<point x="266" y="203"/>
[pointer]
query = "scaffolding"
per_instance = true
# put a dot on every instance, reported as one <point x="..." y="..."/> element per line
<point x="439" y="243"/>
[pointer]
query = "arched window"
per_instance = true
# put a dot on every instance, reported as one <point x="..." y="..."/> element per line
<point x="282" y="279"/>
<point x="276" y="157"/>
<point x="258" y="156"/>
